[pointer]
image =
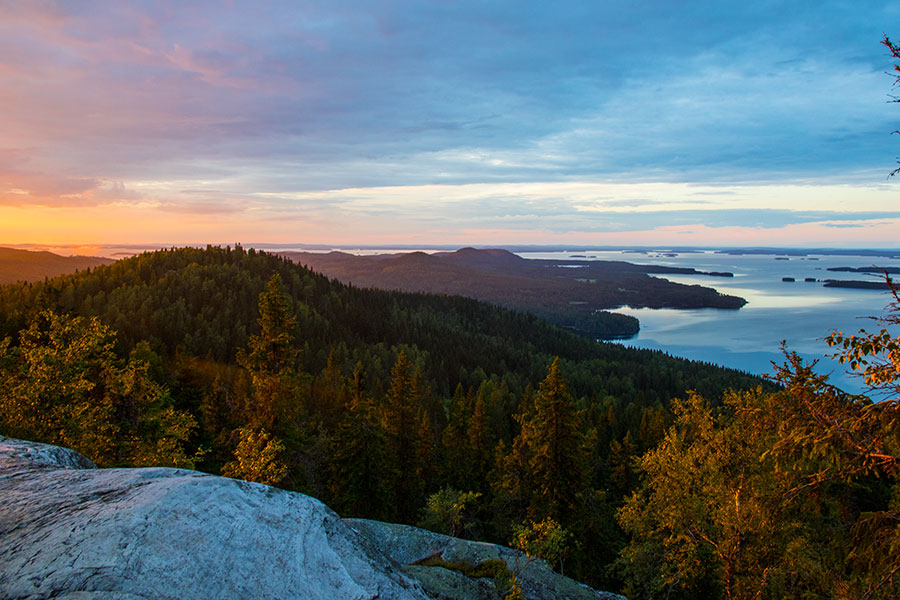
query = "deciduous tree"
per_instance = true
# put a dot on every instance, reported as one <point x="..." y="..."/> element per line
<point x="64" y="384"/>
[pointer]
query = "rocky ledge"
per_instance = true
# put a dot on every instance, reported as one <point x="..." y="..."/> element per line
<point x="71" y="531"/>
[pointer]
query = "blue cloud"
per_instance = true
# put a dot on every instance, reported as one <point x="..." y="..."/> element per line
<point x="321" y="95"/>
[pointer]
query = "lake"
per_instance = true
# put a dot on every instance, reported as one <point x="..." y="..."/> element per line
<point x="800" y="313"/>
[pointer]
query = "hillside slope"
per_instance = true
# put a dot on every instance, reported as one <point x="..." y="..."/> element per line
<point x="25" y="265"/>
<point x="378" y="403"/>
<point x="571" y="293"/>
<point x="204" y="301"/>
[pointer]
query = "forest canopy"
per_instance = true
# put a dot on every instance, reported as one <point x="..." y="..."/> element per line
<point x="385" y="405"/>
<point x="627" y="469"/>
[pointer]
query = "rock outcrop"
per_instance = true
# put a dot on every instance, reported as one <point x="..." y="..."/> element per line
<point x="71" y="531"/>
<point x="409" y="546"/>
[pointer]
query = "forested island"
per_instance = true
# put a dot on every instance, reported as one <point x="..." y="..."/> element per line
<point x="874" y="270"/>
<point x="630" y="470"/>
<point x="855" y="284"/>
<point x="571" y="293"/>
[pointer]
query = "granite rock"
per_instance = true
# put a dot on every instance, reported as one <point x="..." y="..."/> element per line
<point x="71" y="531"/>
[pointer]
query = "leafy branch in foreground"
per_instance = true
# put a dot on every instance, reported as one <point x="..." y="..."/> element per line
<point x="786" y="494"/>
<point x="64" y="384"/>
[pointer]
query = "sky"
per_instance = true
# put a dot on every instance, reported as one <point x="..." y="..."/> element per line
<point x="764" y="123"/>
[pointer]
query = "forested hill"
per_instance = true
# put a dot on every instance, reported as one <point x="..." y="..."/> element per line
<point x="204" y="301"/>
<point x="570" y="293"/>
<point x="25" y="265"/>
<point x="388" y="405"/>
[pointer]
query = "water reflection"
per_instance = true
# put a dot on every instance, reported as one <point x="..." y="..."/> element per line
<point x="800" y="313"/>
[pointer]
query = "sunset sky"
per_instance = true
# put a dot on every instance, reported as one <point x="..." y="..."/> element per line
<point x="484" y="122"/>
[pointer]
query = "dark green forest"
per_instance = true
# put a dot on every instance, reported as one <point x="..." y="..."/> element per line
<point x="630" y="470"/>
<point x="374" y="400"/>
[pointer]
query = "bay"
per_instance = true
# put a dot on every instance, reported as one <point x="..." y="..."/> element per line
<point x="799" y="313"/>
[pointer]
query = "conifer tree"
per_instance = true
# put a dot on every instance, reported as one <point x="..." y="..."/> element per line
<point x="401" y="420"/>
<point x="329" y="393"/>
<point x="357" y="483"/>
<point x="258" y="457"/>
<point x="270" y="359"/>
<point x="553" y="435"/>
<point x="511" y="482"/>
<point x="454" y="443"/>
<point x="65" y="385"/>
<point x="480" y="444"/>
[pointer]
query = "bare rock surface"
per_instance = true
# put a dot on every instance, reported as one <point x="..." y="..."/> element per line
<point x="71" y="531"/>
<point x="408" y="545"/>
<point x="95" y="534"/>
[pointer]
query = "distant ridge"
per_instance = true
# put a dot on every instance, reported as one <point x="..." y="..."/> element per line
<point x="27" y="265"/>
<point x="572" y="293"/>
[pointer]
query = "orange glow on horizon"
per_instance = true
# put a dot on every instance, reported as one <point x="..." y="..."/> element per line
<point x="85" y="229"/>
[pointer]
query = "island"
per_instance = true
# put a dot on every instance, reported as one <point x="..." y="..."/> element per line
<point x="873" y="269"/>
<point x="856" y="285"/>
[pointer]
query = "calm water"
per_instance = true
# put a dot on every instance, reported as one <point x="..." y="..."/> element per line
<point x="799" y="313"/>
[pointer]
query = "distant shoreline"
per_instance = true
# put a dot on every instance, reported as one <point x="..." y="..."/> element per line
<point x="115" y="251"/>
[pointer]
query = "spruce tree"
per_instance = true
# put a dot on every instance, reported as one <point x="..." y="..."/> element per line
<point x="358" y="486"/>
<point x="270" y="359"/>
<point x="402" y="421"/>
<point x="480" y="444"/>
<point x="553" y="435"/>
<point x="454" y="445"/>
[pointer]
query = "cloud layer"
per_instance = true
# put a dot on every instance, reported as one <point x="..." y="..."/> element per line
<point x="389" y="119"/>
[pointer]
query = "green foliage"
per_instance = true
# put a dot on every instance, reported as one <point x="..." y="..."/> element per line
<point x="450" y="512"/>
<point x="545" y="539"/>
<point x="258" y="457"/>
<point x="551" y="432"/>
<point x="273" y="350"/>
<point x="708" y="509"/>
<point x="401" y="420"/>
<point x="64" y="384"/>
<point x="515" y="589"/>
<point x="205" y="301"/>
<point x="493" y="568"/>
<point x="358" y="485"/>
<point x="874" y="356"/>
<point x="775" y="495"/>
<point x="788" y="494"/>
<point x="270" y="361"/>
<point x="259" y="352"/>
<point x="505" y="580"/>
